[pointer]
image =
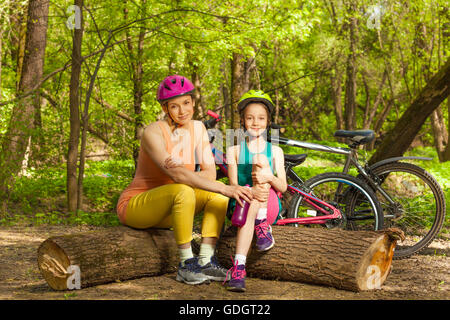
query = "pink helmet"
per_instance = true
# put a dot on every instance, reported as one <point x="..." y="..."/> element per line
<point x="174" y="86"/>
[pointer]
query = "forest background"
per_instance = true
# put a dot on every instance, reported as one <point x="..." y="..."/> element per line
<point x="78" y="81"/>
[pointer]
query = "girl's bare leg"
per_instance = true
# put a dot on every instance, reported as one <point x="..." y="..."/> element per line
<point x="245" y="233"/>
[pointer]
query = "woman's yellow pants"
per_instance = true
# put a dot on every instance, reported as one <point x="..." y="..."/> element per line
<point x="174" y="205"/>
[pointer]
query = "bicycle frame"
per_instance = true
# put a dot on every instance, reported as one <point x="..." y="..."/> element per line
<point x="311" y="220"/>
<point x="352" y="159"/>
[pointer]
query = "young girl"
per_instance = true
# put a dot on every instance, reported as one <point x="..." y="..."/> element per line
<point x="254" y="162"/>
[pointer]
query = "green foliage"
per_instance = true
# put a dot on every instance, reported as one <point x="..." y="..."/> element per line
<point x="40" y="196"/>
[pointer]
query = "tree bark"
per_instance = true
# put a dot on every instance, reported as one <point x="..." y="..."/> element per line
<point x="440" y="132"/>
<point x="74" y="118"/>
<point x="351" y="87"/>
<point x="239" y="85"/>
<point x="446" y="155"/>
<point x="17" y="28"/>
<point x="336" y="93"/>
<point x="136" y="62"/>
<point x="192" y="62"/>
<point x="349" y="260"/>
<point x="344" y="259"/>
<point x="21" y="124"/>
<point x="400" y="137"/>
<point x="1" y="56"/>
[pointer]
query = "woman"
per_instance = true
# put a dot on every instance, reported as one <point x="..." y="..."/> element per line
<point x="167" y="191"/>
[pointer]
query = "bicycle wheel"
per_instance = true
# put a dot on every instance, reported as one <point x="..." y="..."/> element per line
<point x="360" y="212"/>
<point x="419" y="208"/>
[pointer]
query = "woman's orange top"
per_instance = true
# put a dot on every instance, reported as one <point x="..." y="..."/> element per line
<point x="149" y="175"/>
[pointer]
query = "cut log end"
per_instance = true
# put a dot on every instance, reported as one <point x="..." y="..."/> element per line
<point x="95" y="257"/>
<point x="53" y="264"/>
<point x="375" y="264"/>
<point x="377" y="261"/>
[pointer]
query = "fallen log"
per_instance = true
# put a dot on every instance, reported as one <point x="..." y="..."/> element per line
<point x="343" y="259"/>
<point x="350" y="260"/>
<point x="114" y="254"/>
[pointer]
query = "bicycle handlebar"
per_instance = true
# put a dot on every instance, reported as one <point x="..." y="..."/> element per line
<point x="214" y="115"/>
<point x="211" y="123"/>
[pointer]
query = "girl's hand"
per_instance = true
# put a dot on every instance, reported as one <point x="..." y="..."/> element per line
<point x="172" y="162"/>
<point x="260" y="193"/>
<point x="261" y="177"/>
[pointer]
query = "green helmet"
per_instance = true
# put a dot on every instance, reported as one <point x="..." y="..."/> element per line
<point x="255" y="96"/>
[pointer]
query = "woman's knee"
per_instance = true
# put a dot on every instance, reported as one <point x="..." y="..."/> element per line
<point x="183" y="193"/>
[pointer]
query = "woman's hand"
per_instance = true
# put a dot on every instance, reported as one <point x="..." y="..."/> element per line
<point x="238" y="192"/>
<point x="172" y="162"/>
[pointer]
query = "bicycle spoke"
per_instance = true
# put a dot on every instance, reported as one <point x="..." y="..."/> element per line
<point x="359" y="213"/>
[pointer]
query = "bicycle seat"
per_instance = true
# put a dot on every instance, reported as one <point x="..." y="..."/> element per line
<point x="295" y="159"/>
<point x="357" y="136"/>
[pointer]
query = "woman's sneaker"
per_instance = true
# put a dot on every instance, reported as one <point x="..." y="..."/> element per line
<point x="265" y="240"/>
<point x="214" y="271"/>
<point x="191" y="272"/>
<point x="237" y="281"/>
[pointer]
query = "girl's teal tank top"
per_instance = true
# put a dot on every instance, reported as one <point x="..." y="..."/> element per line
<point x="245" y="163"/>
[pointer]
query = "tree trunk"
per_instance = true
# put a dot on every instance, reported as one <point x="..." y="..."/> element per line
<point x="439" y="132"/>
<point x="350" y="87"/>
<point x="136" y="62"/>
<point x="21" y="49"/>
<point x="446" y="155"/>
<point x="345" y="259"/>
<point x="238" y="86"/>
<point x="224" y="88"/>
<point x="138" y="95"/>
<point x="199" y="111"/>
<point x="336" y="93"/>
<point x="74" y="107"/>
<point x="1" y="56"/>
<point x="15" y="141"/>
<point x="400" y="137"/>
<point x="192" y="62"/>
<point x="85" y="126"/>
<point x="350" y="260"/>
<point x="16" y="20"/>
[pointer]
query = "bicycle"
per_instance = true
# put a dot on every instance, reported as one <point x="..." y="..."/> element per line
<point x="328" y="209"/>
<point x="411" y="198"/>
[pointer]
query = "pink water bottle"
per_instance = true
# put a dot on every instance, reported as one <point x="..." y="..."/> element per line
<point x="240" y="213"/>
